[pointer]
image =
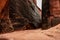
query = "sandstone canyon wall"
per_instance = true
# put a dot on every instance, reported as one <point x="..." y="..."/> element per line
<point x="19" y="14"/>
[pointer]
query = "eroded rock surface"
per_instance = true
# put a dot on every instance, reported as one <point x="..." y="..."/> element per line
<point x="50" y="34"/>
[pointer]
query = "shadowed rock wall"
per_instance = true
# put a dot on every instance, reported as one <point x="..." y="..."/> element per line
<point x="22" y="14"/>
<point x="51" y="12"/>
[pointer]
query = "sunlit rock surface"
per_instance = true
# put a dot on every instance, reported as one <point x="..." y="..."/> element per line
<point x="38" y="34"/>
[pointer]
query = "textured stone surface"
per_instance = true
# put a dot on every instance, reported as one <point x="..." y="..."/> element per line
<point x="55" y="11"/>
<point x="17" y="14"/>
<point x="50" y="34"/>
<point x="51" y="12"/>
<point x="55" y="7"/>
